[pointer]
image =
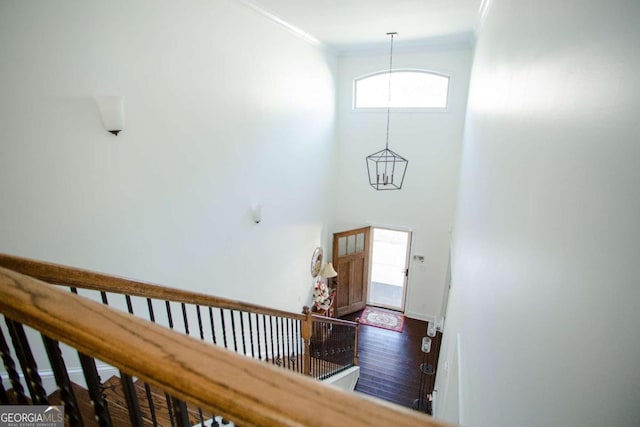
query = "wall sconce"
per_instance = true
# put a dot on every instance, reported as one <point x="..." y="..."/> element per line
<point x="256" y="213"/>
<point x="111" y="110"/>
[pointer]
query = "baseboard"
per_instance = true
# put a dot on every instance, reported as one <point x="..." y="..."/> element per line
<point x="75" y="375"/>
<point x="419" y="316"/>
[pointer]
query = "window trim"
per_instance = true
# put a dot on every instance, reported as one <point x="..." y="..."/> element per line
<point x="445" y="109"/>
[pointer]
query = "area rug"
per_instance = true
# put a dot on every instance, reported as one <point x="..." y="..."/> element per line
<point x="384" y="319"/>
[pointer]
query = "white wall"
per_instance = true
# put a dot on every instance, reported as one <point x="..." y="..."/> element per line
<point x="224" y="109"/>
<point x="546" y="240"/>
<point x="430" y="141"/>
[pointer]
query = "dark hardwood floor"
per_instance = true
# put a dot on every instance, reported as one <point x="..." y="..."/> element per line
<point x="390" y="363"/>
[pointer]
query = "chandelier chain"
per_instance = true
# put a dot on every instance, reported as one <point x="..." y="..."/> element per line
<point x="386" y="169"/>
<point x="389" y="92"/>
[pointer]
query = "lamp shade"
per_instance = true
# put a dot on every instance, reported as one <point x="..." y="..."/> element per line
<point x="256" y="212"/>
<point x="111" y="110"/>
<point x="328" y="271"/>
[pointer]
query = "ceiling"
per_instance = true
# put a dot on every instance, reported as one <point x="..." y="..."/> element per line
<point x="345" y="25"/>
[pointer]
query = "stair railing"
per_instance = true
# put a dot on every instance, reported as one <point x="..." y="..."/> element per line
<point x="333" y="346"/>
<point x="297" y="342"/>
<point x="191" y="372"/>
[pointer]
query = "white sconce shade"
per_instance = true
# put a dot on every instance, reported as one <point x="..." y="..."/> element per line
<point x="256" y="212"/>
<point x="328" y="271"/>
<point x="111" y="110"/>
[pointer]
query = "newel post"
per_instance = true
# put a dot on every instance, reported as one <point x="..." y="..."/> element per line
<point x="307" y="332"/>
<point x="355" y="350"/>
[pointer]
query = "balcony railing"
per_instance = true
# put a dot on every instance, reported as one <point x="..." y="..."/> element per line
<point x="196" y="381"/>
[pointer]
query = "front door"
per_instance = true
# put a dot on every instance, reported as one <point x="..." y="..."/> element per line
<point x="351" y="261"/>
<point x="389" y="268"/>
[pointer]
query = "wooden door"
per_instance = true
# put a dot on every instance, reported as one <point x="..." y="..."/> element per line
<point x="351" y="254"/>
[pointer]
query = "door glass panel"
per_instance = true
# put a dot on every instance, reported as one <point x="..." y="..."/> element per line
<point x="351" y="244"/>
<point x="342" y="246"/>
<point x="359" y="242"/>
<point x="389" y="261"/>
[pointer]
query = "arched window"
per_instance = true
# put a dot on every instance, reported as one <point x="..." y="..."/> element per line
<point x="409" y="89"/>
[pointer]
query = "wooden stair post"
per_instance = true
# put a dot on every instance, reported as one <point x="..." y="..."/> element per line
<point x="307" y="332"/>
<point x="355" y="349"/>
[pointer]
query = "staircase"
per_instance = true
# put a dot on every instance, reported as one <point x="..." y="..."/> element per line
<point x="153" y="406"/>
<point x="154" y="409"/>
<point x="180" y="358"/>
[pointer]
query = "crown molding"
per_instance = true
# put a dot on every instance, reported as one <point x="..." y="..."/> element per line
<point x="461" y="40"/>
<point x="483" y="11"/>
<point x="298" y="32"/>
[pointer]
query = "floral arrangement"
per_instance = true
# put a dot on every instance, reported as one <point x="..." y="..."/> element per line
<point x="321" y="295"/>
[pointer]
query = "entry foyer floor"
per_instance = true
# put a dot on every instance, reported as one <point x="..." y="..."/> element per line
<point x="390" y="361"/>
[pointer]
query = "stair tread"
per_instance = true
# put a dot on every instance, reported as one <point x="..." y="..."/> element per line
<point x="115" y="395"/>
<point x="13" y="397"/>
<point x="119" y="415"/>
<point x="157" y="394"/>
<point x="117" y="405"/>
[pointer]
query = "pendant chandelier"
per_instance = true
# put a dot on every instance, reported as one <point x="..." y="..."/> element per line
<point x="386" y="168"/>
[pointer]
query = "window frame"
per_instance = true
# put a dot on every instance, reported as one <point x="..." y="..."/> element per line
<point x="401" y="109"/>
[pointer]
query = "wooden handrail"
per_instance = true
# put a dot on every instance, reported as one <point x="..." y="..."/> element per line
<point x="85" y="279"/>
<point x="333" y="320"/>
<point x="245" y="390"/>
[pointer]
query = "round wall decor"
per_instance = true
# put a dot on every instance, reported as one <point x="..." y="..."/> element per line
<point x="316" y="261"/>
